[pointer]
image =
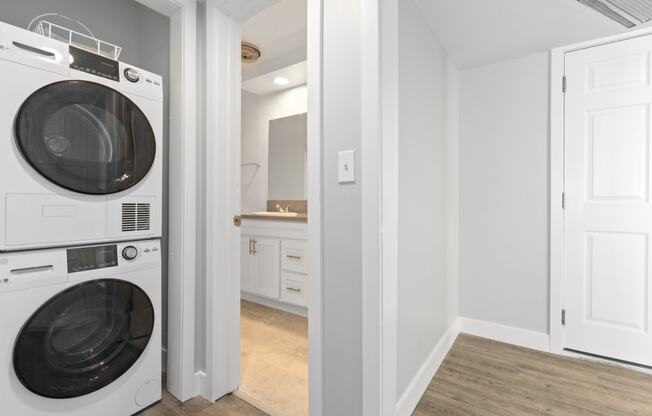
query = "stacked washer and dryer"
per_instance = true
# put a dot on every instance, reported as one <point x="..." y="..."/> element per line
<point x="80" y="228"/>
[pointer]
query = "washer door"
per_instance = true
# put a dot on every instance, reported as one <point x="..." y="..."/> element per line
<point x="83" y="339"/>
<point x="85" y="137"/>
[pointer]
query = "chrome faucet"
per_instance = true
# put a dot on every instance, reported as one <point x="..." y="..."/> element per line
<point x="283" y="209"/>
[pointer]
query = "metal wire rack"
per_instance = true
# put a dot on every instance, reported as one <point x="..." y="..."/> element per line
<point x="79" y="40"/>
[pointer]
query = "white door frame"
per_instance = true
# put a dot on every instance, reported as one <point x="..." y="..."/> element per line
<point x="557" y="115"/>
<point x="315" y="204"/>
<point x="181" y="378"/>
<point x="379" y="160"/>
<point x="221" y="130"/>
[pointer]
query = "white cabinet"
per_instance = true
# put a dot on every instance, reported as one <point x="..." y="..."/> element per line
<point x="261" y="266"/>
<point x="274" y="261"/>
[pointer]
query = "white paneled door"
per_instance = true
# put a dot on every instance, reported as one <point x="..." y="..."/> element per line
<point x="608" y="216"/>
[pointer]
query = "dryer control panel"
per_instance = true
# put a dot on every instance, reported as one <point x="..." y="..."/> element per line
<point x="94" y="64"/>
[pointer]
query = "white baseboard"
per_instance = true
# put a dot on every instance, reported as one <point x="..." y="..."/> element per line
<point x="410" y="399"/>
<point x="507" y="334"/>
<point x="274" y="304"/>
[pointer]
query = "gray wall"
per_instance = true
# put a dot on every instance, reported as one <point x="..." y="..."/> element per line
<point x="504" y="193"/>
<point x="424" y="296"/>
<point x="144" y="36"/>
<point x="342" y="238"/>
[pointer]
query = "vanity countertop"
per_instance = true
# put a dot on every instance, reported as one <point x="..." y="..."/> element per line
<point x="272" y="217"/>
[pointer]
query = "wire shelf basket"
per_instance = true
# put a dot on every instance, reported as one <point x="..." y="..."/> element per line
<point x="77" y="39"/>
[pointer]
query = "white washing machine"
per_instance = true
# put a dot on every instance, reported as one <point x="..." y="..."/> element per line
<point x="81" y="330"/>
<point x="80" y="145"/>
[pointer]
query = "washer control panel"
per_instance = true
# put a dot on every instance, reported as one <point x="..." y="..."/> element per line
<point x="83" y="259"/>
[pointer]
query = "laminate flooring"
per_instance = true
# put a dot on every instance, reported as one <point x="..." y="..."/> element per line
<point x="480" y="377"/>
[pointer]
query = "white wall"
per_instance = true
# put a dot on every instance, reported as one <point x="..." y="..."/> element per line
<point x="341" y="210"/>
<point x="504" y="193"/>
<point x="257" y="111"/>
<point x="427" y="299"/>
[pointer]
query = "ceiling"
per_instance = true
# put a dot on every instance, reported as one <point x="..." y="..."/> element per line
<point x="242" y="10"/>
<point x="296" y="75"/>
<point x="481" y="32"/>
<point x="280" y="32"/>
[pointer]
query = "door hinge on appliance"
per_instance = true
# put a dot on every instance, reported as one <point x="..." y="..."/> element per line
<point x="564" y="84"/>
<point x="563" y="200"/>
<point x="563" y="316"/>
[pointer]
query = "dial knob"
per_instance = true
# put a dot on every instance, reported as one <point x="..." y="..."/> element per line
<point x="129" y="253"/>
<point x="132" y="75"/>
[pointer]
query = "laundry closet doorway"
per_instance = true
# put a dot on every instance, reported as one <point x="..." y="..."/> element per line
<point x="606" y="308"/>
<point x="219" y="249"/>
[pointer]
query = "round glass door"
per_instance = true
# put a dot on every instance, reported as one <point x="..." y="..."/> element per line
<point x="83" y="339"/>
<point x="85" y="137"/>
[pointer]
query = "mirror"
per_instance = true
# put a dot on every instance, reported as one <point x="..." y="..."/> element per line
<point x="287" y="158"/>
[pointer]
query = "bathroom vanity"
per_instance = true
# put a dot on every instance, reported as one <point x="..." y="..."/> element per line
<point x="274" y="266"/>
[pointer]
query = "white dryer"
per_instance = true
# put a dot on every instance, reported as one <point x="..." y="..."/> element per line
<point x="81" y="330"/>
<point x="80" y="145"/>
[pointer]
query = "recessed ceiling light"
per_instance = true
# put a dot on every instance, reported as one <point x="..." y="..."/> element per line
<point x="281" y="81"/>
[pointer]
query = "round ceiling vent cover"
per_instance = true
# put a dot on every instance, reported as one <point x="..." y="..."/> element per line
<point x="250" y="53"/>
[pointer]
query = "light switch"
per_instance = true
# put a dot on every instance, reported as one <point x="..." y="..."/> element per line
<point x="346" y="171"/>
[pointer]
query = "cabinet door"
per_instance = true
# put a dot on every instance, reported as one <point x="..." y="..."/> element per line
<point x="267" y="268"/>
<point x="246" y="265"/>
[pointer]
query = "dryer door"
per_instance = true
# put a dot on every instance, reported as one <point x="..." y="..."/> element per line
<point x="83" y="339"/>
<point x="85" y="137"/>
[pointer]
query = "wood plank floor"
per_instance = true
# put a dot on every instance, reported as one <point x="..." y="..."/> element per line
<point x="480" y="377"/>
<point x="228" y="406"/>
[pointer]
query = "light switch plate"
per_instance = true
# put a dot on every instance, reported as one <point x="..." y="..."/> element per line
<point x="346" y="170"/>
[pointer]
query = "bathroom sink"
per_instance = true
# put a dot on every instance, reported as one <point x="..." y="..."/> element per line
<point x="277" y="214"/>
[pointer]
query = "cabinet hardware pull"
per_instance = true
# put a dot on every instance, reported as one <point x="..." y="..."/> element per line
<point x="255" y="248"/>
<point x="289" y="256"/>
<point x="251" y="246"/>
<point x="293" y="289"/>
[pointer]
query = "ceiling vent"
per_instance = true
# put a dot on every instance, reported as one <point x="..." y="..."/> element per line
<point x="628" y="13"/>
<point x="250" y="53"/>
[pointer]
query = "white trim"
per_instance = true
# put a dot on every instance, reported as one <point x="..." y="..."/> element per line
<point x="181" y="378"/>
<point x="275" y="304"/>
<point x="410" y="399"/>
<point x="371" y="210"/>
<point x="315" y="202"/>
<point x="557" y="178"/>
<point x="389" y="99"/>
<point x="556" y="189"/>
<point x="507" y="334"/>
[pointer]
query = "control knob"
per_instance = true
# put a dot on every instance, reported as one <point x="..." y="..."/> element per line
<point x="132" y="75"/>
<point x="129" y="253"/>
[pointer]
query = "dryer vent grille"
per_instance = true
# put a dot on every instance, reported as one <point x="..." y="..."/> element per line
<point x="629" y="13"/>
<point x="135" y="217"/>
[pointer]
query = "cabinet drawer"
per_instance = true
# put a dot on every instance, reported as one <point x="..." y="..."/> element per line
<point x="294" y="288"/>
<point x="293" y="256"/>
